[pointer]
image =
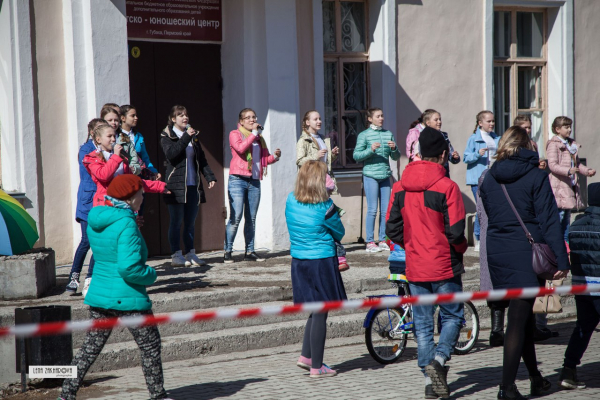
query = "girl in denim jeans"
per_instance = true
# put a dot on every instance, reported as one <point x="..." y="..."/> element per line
<point x="374" y="147"/>
<point x="249" y="160"/>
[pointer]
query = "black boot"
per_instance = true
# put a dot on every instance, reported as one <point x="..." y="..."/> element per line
<point x="510" y="392"/>
<point x="539" y="384"/>
<point x="497" y="332"/>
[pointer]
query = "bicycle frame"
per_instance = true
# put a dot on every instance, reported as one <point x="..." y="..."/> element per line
<point x="408" y="327"/>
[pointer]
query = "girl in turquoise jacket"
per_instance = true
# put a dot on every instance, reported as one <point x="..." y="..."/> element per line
<point x="119" y="285"/>
<point x="314" y="225"/>
<point x="374" y="147"/>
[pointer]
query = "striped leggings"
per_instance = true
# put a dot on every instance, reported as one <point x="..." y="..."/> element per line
<point x="147" y="339"/>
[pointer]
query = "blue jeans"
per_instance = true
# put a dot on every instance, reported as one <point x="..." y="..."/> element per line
<point x="452" y="316"/>
<point x="244" y="198"/>
<point x="378" y="193"/>
<point x="185" y="213"/>
<point x="81" y="252"/>
<point x="588" y="317"/>
<point x="476" y="228"/>
<point x="565" y="222"/>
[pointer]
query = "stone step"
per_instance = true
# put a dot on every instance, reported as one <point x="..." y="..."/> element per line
<point x="230" y="297"/>
<point x="225" y="341"/>
<point x="122" y="334"/>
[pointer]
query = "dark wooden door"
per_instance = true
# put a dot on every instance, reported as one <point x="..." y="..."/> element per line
<point x="163" y="75"/>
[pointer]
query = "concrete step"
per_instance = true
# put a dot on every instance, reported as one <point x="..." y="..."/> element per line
<point x="230" y="297"/>
<point x="265" y="335"/>
<point x="123" y="335"/>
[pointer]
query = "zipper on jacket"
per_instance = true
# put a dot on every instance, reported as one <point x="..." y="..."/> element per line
<point x="185" y="184"/>
<point x="197" y="174"/>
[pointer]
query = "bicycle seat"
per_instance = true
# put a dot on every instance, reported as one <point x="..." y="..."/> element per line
<point x="397" y="278"/>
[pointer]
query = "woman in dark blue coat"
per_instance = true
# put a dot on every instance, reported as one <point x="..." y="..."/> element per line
<point x="509" y="252"/>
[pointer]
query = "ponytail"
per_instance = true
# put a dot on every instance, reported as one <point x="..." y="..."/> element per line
<point x="479" y="117"/>
<point x="304" y="125"/>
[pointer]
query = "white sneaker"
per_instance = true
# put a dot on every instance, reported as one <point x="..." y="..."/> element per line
<point x="193" y="259"/>
<point x="178" y="260"/>
<point x="383" y="246"/>
<point x="86" y="286"/>
<point x="477" y="246"/>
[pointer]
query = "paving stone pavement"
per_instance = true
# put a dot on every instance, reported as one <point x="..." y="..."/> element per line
<point x="272" y="374"/>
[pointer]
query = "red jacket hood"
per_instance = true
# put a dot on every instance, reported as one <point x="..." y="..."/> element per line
<point x="419" y="176"/>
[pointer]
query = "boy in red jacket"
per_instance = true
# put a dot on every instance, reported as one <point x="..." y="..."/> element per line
<point x="427" y="219"/>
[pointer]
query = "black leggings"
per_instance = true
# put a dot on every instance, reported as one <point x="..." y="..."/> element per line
<point x="518" y="341"/>
<point x="315" y="333"/>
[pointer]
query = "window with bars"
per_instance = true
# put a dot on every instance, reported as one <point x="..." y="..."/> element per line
<point x="520" y="61"/>
<point x="346" y="57"/>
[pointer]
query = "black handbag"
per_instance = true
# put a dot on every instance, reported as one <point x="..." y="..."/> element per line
<point x="544" y="261"/>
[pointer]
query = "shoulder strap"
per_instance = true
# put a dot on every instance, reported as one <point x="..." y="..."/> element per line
<point x="529" y="237"/>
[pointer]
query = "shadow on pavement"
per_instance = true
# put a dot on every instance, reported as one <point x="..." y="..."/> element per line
<point x="211" y="390"/>
<point x="366" y="362"/>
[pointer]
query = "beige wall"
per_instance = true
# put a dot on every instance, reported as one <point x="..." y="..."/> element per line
<point x="587" y="79"/>
<point x="306" y="75"/>
<point x="440" y="66"/>
<point x="49" y="70"/>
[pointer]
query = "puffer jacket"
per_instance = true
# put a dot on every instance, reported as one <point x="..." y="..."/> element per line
<point x="240" y="146"/>
<point x="120" y="273"/>
<point x="559" y="162"/>
<point x="175" y="152"/>
<point x="140" y="148"/>
<point x="87" y="186"/>
<point x="129" y="148"/>
<point x="509" y="253"/>
<point x="103" y="172"/>
<point x="313" y="228"/>
<point x="307" y="149"/>
<point x="584" y="241"/>
<point x="376" y="163"/>
<point x="412" y="141"/>
<point x="476" y="163"/>
<point x="427" y="218"/>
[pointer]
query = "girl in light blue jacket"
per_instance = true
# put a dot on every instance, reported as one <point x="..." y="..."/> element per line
<point x="478" y="155"/>
<point x="314" y="225"/>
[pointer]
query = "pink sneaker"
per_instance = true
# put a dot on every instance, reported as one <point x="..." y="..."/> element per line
<point x="372" y="247"/>
<point x="304" y="363"/>
<point x="322" y="372"/>
<point x="343" y="264"/>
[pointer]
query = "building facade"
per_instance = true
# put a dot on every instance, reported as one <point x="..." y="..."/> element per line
<point x="61" y="60"/>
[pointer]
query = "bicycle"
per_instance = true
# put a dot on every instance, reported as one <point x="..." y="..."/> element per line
<point x="387" y="329"/>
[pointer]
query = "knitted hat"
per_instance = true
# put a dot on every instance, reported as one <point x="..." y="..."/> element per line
<point x="594" y="194"/>
<point x="432" y="142"/>
<point x="124" y="186"/>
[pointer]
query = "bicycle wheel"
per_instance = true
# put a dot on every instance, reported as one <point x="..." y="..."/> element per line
<point x="385" y="339"/>
<point x="470" y="331"/>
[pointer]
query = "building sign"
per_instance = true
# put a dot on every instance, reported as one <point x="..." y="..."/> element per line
<point x="175" y="20"/>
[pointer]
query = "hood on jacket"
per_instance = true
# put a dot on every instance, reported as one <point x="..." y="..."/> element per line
<point x="169" y="132"/>
<point x="515" y="167"/>
<point x="556" y="138"/>
<point x="419" y="176"/>
<point x="101" y="217"/>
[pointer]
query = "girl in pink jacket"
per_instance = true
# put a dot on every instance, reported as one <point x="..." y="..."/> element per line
<point x="249" y="160"/>
<point x="106" y="162"/>
<point x="563" y="161"/>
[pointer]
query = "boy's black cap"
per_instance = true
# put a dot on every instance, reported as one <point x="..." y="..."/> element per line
<point x="594" y="194"/>
<point x="432" y="143"/>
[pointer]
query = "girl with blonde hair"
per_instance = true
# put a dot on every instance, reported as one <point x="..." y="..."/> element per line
<point x="314" y="225"/>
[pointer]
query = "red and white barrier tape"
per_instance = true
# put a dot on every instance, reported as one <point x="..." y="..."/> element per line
<point x="58" y="328"/>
